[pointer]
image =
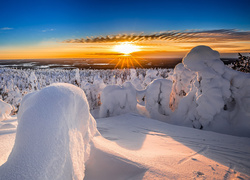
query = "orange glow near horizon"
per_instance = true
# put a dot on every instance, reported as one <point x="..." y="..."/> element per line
<point x="147" y="49"/>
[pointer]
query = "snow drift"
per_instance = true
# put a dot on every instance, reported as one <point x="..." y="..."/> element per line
<point x="53" y="135"/>
<point x="5" y="110"/>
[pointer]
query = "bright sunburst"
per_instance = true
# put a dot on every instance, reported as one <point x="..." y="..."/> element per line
<point x="127" y="60"/>
<point x="126" y="48"/>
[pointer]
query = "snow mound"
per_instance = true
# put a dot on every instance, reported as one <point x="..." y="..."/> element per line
<point x="5" y="110"/>
<point x="118" y="100"/>
<point x="53" y="135"/>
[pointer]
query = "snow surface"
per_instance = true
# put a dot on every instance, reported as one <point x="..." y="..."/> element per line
<point x="53" y="135"/>
<point x="134" y="147"/>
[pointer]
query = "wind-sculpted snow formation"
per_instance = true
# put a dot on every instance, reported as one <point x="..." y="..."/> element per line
<point x="53" y="135"/>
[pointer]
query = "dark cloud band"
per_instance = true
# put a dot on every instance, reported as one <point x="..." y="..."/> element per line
<point x="220" y="35"/>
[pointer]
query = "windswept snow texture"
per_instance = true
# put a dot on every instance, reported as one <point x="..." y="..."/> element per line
<point x="5" y="110"/>
<point x="53" y="135"/>
<point x="211" y="96"/>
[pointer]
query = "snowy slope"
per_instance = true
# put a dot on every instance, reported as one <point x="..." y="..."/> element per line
<point x="135" y="147"/>
<point x="149" y="149"/>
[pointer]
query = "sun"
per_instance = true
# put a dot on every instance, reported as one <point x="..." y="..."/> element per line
<point x="127" y="60"/>
<point x="126" y="48"/>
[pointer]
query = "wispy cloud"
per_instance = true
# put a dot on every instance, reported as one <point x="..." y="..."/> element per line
<point x="48" y="30"/>
<point x="196" y="36"/>
<point x="5" y="28"/>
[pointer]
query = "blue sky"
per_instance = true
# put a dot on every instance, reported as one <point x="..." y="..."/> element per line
<point x="29" y="22"/>
<point x="37" y="20"/>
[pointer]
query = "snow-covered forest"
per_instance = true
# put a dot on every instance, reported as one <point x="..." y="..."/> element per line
<point x="201" y="93"/>
<point x="15" y="83"/>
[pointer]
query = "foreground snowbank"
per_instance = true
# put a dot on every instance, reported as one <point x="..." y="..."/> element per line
<point x="135" y="147"/>
<point x="53" y="135"/>
<point x="5" y="110"/>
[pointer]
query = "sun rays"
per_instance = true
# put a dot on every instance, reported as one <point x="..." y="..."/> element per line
<point x="127" y="60"/>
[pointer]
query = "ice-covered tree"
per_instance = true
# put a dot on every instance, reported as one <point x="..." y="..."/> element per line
<point x="157" y="99"/>
<point x="117" y="100"/>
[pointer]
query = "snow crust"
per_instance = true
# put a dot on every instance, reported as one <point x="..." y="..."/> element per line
<point x="53" y="135"/>
<point x="5" y="110"/>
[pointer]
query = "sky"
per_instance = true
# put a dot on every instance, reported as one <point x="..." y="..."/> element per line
<point x="91" y="28"/>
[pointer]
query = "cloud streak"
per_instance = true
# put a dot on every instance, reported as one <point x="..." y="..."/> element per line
<point x="48" y="30"/>
<point x="200" y="36"/>
<point x="5" y="28"/>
